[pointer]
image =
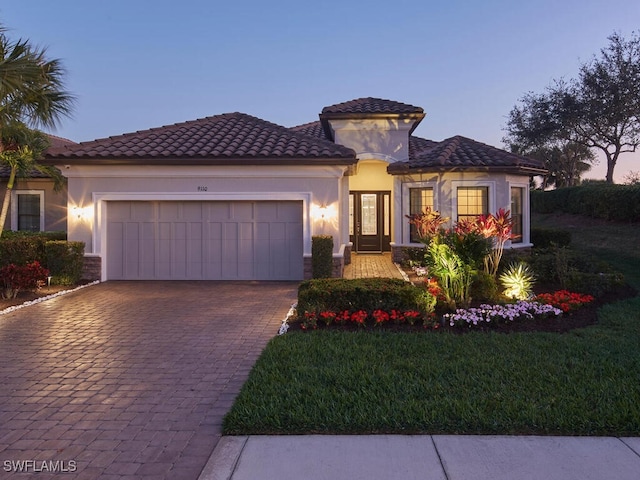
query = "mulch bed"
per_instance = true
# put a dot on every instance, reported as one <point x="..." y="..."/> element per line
<point x="582" y="317"/>
<point x="28" y="296"/>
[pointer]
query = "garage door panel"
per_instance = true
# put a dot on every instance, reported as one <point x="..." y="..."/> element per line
<point x="140" y="210"/>
<point x="204" y="240"/>
<point x="242" y="211"/>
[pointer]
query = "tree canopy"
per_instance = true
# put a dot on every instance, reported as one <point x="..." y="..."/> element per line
<point x="32" y="95"/>
<point x="598" y="111"/>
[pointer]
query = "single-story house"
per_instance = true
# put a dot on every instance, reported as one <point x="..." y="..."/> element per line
<point x="35" y="205"/>
<point x="234" y="197"/>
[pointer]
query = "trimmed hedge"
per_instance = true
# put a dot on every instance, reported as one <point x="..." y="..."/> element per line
<point x="65" y="261"/>
<point x="322" y="256"/>
<point x="369" y="294"/>
<point x="600" y="200"/>
<point x="21" y="248"/>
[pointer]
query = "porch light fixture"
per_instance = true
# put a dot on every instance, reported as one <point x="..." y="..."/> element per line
<point x="323" y="212"/>
<point x="82" y="213"/>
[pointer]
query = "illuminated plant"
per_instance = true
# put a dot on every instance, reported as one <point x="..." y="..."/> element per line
<point x="518" y="280"/>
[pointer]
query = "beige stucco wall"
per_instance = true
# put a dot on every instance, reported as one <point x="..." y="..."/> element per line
<point x="55" y="203"/>
<point x="384" y="139"/>
<point x="91" y="187"/>
<point x="444" y="187"/>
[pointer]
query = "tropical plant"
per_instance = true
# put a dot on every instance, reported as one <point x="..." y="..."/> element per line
<point x="20" y="149"/>
<point x="32" y="94"/>
<point x="453" y="274"/>
<point x="427" y="223"/>
<point x="518" y="280"/>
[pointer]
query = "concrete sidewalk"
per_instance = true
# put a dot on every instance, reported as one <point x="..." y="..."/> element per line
<point x="424" y="457"/>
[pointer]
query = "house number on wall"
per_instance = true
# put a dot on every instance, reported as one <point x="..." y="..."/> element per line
<point x="203" y="189"/>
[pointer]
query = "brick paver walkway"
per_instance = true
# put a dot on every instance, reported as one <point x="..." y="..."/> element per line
<point x="367" y="265"/>
<point x="129" y="379"/>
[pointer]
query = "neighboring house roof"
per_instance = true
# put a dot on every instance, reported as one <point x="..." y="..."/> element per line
<point x="54" y="142"/>
<point x="461" y="153"/>
<point x="227" y="139"/>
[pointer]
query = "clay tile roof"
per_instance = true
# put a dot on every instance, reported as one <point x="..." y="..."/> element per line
<point x="231" y="138"/>
<point x="371" y="105"/>
<point x="54" y="142"/>
<point x="462" y="153"/>
<point x="313" y="129"/>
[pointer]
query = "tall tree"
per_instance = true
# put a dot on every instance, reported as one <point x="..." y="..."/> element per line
<point x="537" y="128"/>
<point x="32" y="94"/>
<point x="599" y="110"/>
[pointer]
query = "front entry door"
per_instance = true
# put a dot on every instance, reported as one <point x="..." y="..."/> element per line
<point x="370" y="229"/>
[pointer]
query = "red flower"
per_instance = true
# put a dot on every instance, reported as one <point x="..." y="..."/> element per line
<point x="411" y="316"/>
<point x="380" y="316"/>
<point x="328" y="317"/>
<point x="565" y="300"/>
<point x="396" y="316"/>
<point x="359" y="317"/>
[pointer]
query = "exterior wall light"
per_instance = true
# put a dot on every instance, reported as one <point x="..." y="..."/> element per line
<point x="323" y="212"/>
<point x="82" y="213"/>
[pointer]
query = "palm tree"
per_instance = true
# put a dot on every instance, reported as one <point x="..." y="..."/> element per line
<point x="32" y="94"/>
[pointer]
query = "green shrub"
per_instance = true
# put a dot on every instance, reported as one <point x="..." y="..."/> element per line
<point x="65" y="261"/>
<point x="544" y="237"/>
<point x="413" y="256"/>
<point x="596" y="284"/>
<point x="367" y="294"/>
<point x="600" y="200"/>
<point x="484" y="287"/>
<point x="21" y="248"/>
<point x="322" y="256"/>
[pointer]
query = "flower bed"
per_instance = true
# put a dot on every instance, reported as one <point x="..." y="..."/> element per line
<point x="494" y="314"/>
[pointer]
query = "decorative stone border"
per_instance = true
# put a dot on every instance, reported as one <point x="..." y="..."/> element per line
<point x="42" y="299"/>
<point x="285" y="323"/>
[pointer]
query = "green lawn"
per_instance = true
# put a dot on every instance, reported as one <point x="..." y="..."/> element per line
<point x="586" y="382"/>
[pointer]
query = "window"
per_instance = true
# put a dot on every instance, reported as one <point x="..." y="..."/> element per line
<point x="517" y="194"/>
<point x="419" y="200"/>
<point x="472" y="202"/>
<point x="27" y="212"/>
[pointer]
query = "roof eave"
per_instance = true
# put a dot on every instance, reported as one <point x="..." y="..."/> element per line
<point x="396" y="169"/>
<point x="199" y="161"/>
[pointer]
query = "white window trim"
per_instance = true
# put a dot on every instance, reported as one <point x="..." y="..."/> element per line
<point x="491" y="194"/>
<point x="14" y="206"/>
<point x="526" y="216"/>
<point x="406" y="199"/>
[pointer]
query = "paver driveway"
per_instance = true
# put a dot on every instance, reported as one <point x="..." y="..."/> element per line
<point x="129" y="379"/>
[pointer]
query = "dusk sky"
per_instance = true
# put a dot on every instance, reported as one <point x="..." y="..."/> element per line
<point x="138" y="64"/>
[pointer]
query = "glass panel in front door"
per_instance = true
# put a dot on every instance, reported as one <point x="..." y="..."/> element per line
<point x="369" y="215"/>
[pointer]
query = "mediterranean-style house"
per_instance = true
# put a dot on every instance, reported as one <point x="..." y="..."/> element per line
<point x="35" y="204"/>
<point x="234" y="197"/>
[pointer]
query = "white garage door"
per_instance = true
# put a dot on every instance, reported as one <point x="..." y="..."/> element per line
<point x="185" y="240"/>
